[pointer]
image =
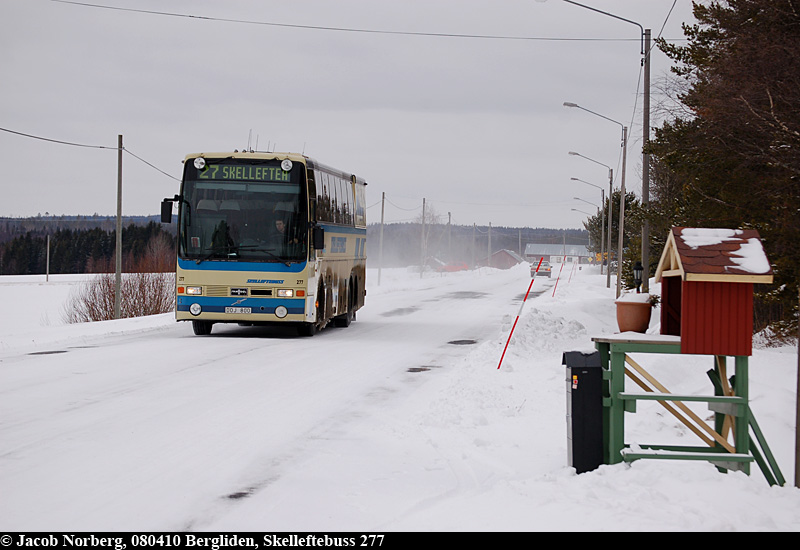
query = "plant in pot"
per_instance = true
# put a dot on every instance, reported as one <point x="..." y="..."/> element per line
<point x="634" y="308"/>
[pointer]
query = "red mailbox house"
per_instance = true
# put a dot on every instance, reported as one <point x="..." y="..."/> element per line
<point x="707" y="277"/>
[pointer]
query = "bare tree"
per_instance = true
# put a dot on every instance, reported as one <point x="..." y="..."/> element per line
<point x="149" y="290"/>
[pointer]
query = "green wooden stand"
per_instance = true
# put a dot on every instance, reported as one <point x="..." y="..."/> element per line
<point x="732" y="404"/>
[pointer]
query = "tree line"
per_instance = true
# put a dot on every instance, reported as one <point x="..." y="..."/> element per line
<point x="145" y="248"/>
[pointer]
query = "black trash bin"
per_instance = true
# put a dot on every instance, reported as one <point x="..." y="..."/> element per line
<point x="584" y="410"/>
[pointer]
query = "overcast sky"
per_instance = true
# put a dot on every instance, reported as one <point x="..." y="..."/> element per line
<point x="474" y="125"/>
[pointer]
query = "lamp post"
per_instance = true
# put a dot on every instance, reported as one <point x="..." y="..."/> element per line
<point x="622" y="188"/>
<point x="610" y="210"/>
<point x="602" y="220"/>
<point x="645" y="41"/>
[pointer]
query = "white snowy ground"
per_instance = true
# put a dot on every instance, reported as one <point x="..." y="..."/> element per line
<point x="459" y="445"/>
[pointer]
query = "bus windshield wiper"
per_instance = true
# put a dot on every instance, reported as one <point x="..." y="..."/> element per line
<point x="229" y="249"/>
<point x="261" y="248"/>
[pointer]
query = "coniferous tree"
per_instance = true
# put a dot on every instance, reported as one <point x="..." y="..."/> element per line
<point x="734" y="160"/>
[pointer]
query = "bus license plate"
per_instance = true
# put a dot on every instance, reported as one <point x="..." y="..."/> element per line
<point x="237" y="310"/>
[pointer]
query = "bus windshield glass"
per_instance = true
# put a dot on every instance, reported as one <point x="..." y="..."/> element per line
<point x="243" y="210"/>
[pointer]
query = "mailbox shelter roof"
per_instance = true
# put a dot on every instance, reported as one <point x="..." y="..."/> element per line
<point x="723" y="255"/>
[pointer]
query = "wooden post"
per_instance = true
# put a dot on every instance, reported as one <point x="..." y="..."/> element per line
<point x="489" y="252"/>
<point x="797" y="404"/>
<point x="118" y="273"/>
<point x="741" y="432"/>
<point x="380" y="254"/>
<point x="422" y="242"/>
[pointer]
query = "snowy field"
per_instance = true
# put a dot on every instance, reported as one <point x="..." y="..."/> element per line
<point x="387" y="425"/>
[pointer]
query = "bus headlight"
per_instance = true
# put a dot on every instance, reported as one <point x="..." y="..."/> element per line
<point x="285" y="293"/>
<point x="194" y="290"/>
<point x="195" y="309"/>
<point x="280" y="312"/>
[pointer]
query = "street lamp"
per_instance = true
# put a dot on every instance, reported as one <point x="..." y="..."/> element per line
<point x="637" y="275"/>
<point x="610" y="210"/>
<point x="645" y="36"/>
<point x="622" y="188"/>
<point x="602" y="220"/>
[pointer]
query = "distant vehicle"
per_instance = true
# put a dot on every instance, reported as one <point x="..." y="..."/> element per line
<point x="448" y="268"/>
<point x="544" y="270"/>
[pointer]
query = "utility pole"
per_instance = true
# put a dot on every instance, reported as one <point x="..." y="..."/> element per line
<point x="118" y="274"/>
<point x="473" y="245"/>
<point x="646" y="166"/>
<point x="622" y="210"/>
<point x="449" y="240"/>
<point x="610" y="209"/>
<point x="422" y="243"/>
<point x="489" y="257"/>
<point x="380" y="252"/>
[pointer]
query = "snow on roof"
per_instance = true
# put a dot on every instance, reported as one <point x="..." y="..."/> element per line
<point x="696" y="237"/>
<point x="706" y="254"/>
<point x="534" y="249"/>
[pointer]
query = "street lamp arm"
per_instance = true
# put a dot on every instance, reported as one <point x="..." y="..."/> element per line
<point x="641" y="29"/>
<point x="570" y="104"/>
<point x="587" y="202"/>
<point x="587" y="183"/>
<point x="587" y="158"/>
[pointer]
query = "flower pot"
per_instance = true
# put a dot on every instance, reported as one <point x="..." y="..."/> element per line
<point x="633" y="316"/>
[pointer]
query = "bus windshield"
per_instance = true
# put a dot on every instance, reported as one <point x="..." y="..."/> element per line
<point x="243" y="210"/>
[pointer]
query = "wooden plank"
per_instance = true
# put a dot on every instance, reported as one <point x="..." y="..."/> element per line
<point x="682" y="455"/>
<point x="717" y="437"/>
<point x="729" y="422"/>
<point x="728" y="278"/>
<point x="654" y="396"/>
<point x="672" y="410"/>
<point x="672" y="273"/>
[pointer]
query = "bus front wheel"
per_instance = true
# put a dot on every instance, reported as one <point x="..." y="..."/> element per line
<point x="202" y="328"/>
<point x="307" y="329"/>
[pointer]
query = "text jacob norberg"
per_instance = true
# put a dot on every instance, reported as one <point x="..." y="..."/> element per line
<point x="118" y="543"/>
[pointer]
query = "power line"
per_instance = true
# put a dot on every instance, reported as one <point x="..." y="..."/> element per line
<point x="148" y="164"/>
<point x="88" y="146"/>
<point x="343" y="29"/>
<point x="57" y="141"/>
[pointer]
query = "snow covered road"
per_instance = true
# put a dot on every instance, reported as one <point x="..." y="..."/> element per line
<point x="400" y="422"/>
<point x="147" y="430"/>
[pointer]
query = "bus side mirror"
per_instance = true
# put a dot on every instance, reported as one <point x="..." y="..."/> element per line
<point x="166" y="211"/>
<point x="318" y="235"/>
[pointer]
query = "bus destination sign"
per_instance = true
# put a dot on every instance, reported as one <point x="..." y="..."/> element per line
<point x="242" y="172"/>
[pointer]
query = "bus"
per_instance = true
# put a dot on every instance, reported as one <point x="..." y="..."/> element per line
<point x="268" y="239"/>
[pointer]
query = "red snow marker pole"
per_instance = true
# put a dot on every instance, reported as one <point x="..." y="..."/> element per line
<point x="571" y="272"/>
<point x="519" y="313"/>
<point x="557" y="278"/>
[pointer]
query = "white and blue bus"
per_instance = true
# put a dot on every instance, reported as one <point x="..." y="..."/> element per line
<point x="268" y="238"/>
